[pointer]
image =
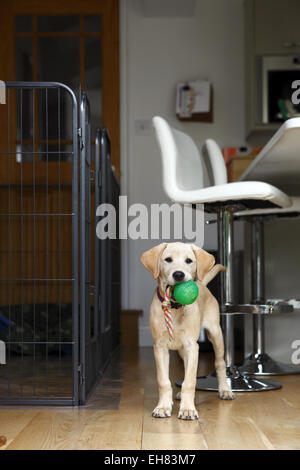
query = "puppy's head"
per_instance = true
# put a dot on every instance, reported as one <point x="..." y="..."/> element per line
<point x="177" y="262"/>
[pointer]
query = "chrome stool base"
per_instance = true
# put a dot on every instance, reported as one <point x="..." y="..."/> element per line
<point x="263" y="364"/>
<point x="237" y="381"/>
<point x="258" y="363"/>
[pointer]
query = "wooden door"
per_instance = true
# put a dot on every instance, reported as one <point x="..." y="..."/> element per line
<point x="75" y="36"/>
<point x="75" y="43"/>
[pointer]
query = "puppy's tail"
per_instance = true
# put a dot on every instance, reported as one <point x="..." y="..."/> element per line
<point x="212" y="273"/>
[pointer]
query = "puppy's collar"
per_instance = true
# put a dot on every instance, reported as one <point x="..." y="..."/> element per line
<point x="175" y="305"/>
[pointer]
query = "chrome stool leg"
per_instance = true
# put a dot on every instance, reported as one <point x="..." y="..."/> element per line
<point x="260" y="363"/>
<point x="238" y="381"/>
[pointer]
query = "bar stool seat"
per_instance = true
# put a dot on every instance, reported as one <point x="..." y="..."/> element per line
<point x="183" y="182"/>
<point x="292" y="211"/>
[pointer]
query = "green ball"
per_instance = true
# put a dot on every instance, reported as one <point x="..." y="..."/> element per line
<point x="186" y="293"/>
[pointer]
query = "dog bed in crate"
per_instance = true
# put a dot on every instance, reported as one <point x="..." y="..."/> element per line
<point x="22" y="326"/>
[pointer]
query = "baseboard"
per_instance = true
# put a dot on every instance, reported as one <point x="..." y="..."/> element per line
<point x="129" y="327"/>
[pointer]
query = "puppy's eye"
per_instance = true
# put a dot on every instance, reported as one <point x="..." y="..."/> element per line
<point x="168" y="260"/>
<point x="188" y="261"/>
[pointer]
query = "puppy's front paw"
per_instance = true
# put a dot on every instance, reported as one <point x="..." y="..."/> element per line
<point x="162" y="412"/>
<point x="226" y="395"/>
<point x="188" y="414"/>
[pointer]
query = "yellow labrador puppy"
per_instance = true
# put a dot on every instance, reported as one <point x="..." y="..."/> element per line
<point x="171" y="263"/>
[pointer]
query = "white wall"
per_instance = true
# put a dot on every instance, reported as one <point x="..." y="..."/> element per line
<point x="155" y="54"/>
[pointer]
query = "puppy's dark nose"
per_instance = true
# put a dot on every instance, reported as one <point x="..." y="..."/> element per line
<point x="178" y="276"/>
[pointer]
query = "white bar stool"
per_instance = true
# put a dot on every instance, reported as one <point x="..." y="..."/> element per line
<point x="183" y="182"/>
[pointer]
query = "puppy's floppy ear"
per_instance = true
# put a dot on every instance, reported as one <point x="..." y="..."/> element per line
<point x="205" y="261"/>
<point x="151" y="259"/>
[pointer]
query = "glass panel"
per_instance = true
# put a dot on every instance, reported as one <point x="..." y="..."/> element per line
<point x="24" y="115"/>
<point x="46" y="24"/>
<point x="23" y="59"/>
<point x="23" y="24"/>
<point x="24" y="153"/>
<point x="92" y="24"/>
<point x="24" y="99"/>
<point x="58" y="60"/>
<point x="56" y="152"/>
<point x="55" y="114"/>
<point x="93" y="80"/>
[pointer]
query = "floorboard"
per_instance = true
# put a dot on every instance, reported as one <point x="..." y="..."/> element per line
<point x="119" y="415"/>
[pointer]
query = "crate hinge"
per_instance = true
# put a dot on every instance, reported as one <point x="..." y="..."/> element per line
<point x="81" y="376"/>
<point x="79" y="133"/>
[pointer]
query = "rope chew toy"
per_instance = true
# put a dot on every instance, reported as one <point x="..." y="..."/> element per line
<point x="166" y="306"/>
<point x="185" y="293"/>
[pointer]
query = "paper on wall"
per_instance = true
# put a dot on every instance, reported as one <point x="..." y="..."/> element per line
<point x="199" y="101"/>
<point x="202" y="96"/>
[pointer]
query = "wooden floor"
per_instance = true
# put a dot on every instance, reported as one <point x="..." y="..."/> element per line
<point x="267" y="420"/>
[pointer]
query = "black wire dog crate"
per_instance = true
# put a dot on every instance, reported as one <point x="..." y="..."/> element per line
<point x="58" y="322"/>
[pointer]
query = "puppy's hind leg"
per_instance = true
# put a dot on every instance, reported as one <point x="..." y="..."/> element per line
<point x="165" y="403"/>
<point x="215" y="336"/>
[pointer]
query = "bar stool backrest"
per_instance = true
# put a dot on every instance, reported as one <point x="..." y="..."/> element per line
<point x="217" y="163"/>
<point x="182" y="163"/>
